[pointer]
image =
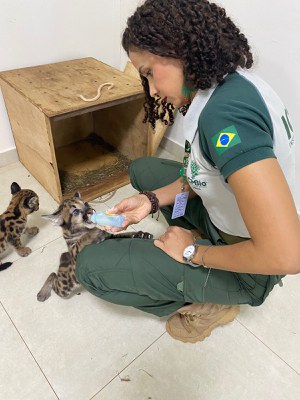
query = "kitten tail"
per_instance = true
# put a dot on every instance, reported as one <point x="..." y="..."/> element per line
<point x="5" y="266"/>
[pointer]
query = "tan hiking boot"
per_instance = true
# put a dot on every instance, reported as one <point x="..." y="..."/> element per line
<point x="193" y="323"/>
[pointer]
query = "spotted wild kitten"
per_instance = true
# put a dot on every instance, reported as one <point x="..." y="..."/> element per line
<point x="74" y="217"/>
<point x="13" y="221"/>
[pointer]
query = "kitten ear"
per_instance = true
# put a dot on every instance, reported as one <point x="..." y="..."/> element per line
<point x="77" y="194"/>
<point x="55" y="218"/>
<point x="14" y="188"/>
<point x="33" y="202"/>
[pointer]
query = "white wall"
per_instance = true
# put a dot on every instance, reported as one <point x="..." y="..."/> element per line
<point x="36" y="32"/>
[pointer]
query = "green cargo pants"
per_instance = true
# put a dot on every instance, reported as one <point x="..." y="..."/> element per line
<point x="133" y="272"/>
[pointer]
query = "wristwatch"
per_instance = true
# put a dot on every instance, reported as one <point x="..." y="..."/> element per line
<point x="189" y="253"/>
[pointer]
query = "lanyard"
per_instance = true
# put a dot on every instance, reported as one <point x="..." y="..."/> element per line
<point x="182" y="198"/>
<point x="185" y="162"/>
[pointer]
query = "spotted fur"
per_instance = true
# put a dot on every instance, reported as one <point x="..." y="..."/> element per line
<point x="74" y="217"/>
<point x="13" y="221"/>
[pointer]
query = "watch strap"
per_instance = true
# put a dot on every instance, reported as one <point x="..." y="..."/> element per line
<point x="192" y="264"/>
<point x="189" y="261"/>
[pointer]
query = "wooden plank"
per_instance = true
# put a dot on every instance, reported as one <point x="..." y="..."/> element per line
<point x="90" y="193"/>
<point x="32" y="134"/>
<point x="91" y="109"/>
<point x="130" y="70"/>
<point x="155" y="137"/>
<point x="70" y="130"/>
<point x="122" y="127"/>
<point x="54" y="88"/>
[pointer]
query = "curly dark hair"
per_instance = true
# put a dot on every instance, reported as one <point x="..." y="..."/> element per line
<point x="197" y="32"/>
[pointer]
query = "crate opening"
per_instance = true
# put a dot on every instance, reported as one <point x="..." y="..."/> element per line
<point x="91" y="163"/>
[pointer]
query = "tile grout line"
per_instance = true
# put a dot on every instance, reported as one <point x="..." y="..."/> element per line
<point x="269" y="348"/>
<point x="41" y="247"/>
<point x="28" y="349"/>
<point x="51" y="241"/>
<point x="119" y="372"/>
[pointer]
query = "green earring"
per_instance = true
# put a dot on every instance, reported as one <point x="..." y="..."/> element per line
<point x="186" y="91"/>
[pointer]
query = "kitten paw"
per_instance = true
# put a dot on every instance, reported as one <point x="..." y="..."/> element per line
<point x="24" y="251"/>
<point x="142" y="235"/>
<point x="43" y="294"/>
<point x="99" y="236"/>
<point x="34" y="230"/>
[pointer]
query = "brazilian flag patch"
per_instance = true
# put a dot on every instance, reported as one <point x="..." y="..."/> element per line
<point x="226" y="139"/>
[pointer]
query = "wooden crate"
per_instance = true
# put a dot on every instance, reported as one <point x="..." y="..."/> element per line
<point x="68" y="144"/>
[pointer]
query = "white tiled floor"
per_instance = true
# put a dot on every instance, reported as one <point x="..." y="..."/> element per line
<point x="84" y="348"/>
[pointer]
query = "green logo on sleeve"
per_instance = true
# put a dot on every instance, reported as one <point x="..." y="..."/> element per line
<point x="226" y="139"/>
<point x="194" y="169"/>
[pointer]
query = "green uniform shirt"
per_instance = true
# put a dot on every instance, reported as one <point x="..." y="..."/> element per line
<point x="230" y="126"/>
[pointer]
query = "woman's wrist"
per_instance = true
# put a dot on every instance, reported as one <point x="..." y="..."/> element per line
<point x="200" y="256"/>
<point x="154" y="202"/>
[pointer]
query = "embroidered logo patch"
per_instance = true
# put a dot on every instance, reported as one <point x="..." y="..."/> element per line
<point x="226" y="139"/>
<point x="194" y="169"/>
<point x="194" y="180"/>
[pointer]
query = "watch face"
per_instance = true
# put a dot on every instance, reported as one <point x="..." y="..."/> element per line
<point x="189" y="251"/>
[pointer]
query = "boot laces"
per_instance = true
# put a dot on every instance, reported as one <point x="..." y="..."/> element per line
<point x="190" y="317"/>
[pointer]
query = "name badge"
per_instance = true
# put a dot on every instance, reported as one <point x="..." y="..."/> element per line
<point x="180" y="204"/>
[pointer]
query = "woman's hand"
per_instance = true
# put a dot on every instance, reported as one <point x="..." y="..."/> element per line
<point x="174" y="241"/>
<point x="134" y="209"/>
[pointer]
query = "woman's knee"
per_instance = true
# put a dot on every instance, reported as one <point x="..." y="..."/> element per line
<point x="149" y="173"/>
<point x="138" y="172"/>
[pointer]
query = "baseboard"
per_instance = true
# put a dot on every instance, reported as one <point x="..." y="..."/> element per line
<point x="172" y="147"/>
<point x="8" y="157"/>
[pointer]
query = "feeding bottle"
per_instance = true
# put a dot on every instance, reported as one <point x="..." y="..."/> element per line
<point x="107" y="219"/>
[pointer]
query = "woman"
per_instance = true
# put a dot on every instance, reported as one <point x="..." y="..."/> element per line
<point x="234" y="186"/>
